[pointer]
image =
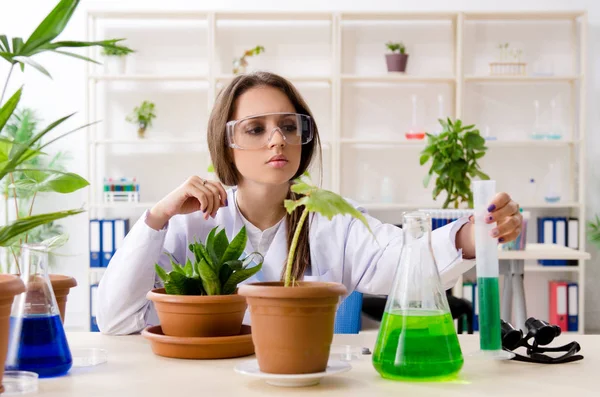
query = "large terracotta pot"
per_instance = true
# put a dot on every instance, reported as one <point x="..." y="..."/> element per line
<point x="292" y="327"/>
<point x="62" y="286"/>
<point x="200" y="316"/>
<point x="9" y="287"/>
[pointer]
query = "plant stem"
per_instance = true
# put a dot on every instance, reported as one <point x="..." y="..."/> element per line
<point x="6" y="84"/>
<point x="29" y="214"/>
<point x="16" y="260"/>
<point x="12" y="180"/>
<point x="292" y="253"/>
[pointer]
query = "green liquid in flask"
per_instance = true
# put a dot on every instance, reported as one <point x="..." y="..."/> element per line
<point x="420" y="345"/>
<point x="488" y="293"/>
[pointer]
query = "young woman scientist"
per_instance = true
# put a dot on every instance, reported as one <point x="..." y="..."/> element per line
<point x="261" y="135"/>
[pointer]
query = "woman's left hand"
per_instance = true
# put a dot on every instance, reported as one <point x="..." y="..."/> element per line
<point x="505" y="212"/>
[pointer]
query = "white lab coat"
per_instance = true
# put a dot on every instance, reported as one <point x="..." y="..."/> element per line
<point x="342" y="250"/>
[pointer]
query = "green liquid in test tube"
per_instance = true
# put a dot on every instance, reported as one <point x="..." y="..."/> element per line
<point x="488" y="269"/>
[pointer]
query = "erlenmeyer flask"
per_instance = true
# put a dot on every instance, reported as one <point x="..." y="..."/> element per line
<point x="37" y="340"/>
<point x="417" y="339"/>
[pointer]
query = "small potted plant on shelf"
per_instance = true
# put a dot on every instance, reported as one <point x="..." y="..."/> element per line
<point x="286" y="342"/>
<point x="142" y="116"/>
<point x="396" y="61"/>
<point x="240" y="64"/>
<point x="454" y="154"/>
<point x="116" y="59"/>
<point x="200" y="299"/>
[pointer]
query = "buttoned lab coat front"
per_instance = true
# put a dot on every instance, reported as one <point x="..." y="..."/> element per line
<point x="342" y="250"/>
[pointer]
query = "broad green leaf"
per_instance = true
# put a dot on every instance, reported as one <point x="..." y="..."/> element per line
<point x="17" y="43"/>
<point x="426" y="180"/>
<point x="236" y="247"/>
<point x="52" y="181"/>
<point x="14" y="229"/>
<point x="479" y="155"/>
<point x="475" y="141"/>
<point x="239" y="276"/>
<point x="224" y="273"/>
<point x="9" y="107"/>
<point x="177" y="268"/>
<point x="111" y="43"/>
<point x="326" y="203"/>
<point x="220" y="245"/>
<point x="188" y="268"/>
<point x="482" y="175"/>
<point x="51" y="26"/>
<point x="72" y="54"/>
<point x="161" y="273"/>
<point x="424" y="158"/>
<point x="176" y="284"/>
<point x="32" y="63"/>
<point x="234" y="264"/>
<point x="7" y="56"/>
<point x="302" y="188"/>
<point x="5" y="46"/>
<point x="55" y="242"/>
<point x="210" y="248"/>
<point x="210" y="279"/>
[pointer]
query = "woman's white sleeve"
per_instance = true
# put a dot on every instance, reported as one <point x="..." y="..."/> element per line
<point x="122" y="305"/>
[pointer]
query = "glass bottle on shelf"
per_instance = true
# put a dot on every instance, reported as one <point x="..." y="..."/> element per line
<point x="537" y="133"/>
<point x="552" y="183"/>
<point x="416" y="129"/>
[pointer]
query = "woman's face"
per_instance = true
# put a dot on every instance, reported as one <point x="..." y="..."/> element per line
<point x="277" y="162"/>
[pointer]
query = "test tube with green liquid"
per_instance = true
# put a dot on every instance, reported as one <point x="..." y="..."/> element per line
<point x="488" y="269"/>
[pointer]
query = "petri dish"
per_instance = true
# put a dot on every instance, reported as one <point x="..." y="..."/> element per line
<point x="19" y="382"/>
<point x="88" y="357"/>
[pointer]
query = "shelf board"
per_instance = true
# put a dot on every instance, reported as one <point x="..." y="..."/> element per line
<point x="273" y="16"/>
<point x="397" y="78"/>
<point x="541" y="205"/>
<point x="490" y="143"/>
<point x="524" y="15"/>
<point x="402" y="206"/>
<point x="158" y="14"/>
<point x="152" y="141"/>
<point x="298" y="79"/>
<point x="544" y="251"/>
<point x="551" y="269"/>
<point x="394" y="206"/>
<point x="393" y="16"/>
<point x="147" y="77"/>
<point x="125" y="205"/>
<point x="522" y="79"/>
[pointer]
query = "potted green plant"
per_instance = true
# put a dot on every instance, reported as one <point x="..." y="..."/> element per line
<point x="594" y="231"/>
<point x="292" y="321"/>
<point x="18" y="53"/>
<point x="397" y="58"/>
<point x="240" y="64"/>
<point x="199" y="298"/>
<point x="115" y="59"/>
<point x="142" y="116"/>
<point x="454" y="155"/>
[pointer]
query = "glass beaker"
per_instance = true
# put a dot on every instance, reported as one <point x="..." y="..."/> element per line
<point x="37" y="340"/>
<point x="417" y="339"/>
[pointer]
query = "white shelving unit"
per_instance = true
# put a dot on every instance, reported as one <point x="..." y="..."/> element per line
<point x="343" y="86"/>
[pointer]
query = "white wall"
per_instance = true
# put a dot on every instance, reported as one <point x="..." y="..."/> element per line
<point x="65" y="94"/>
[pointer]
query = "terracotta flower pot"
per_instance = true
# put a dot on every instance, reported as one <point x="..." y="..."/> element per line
<point x="200" y="316"/>
<point x="292" y="327"/>
<point x="62" y="286"/>
<point x="9" y="287"/>
<point x="396" y="62"/>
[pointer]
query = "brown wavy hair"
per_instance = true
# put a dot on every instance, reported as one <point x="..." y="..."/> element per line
<point x="222" y="158"/>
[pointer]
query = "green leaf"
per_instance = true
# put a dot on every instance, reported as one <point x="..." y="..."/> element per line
<point x="426" y="180"/>
<point x="235" y="264"/>
<point x="17" y="45"/>
<point x="5" y="46"/>
<point x="474" y="141"/>
<point x="161" y="273"/>
<point x="55" y="242"/>
<point x="424" y="158"/>
<point x="326" y="203"/>
<point x="32" y="63"/>
<point x="224" y="273"/>
<point x="220" y="246"/>
<point x="479" y="155"/>
<point x="481" y="174"/>
<point x="9" y="107"/>
<point x="210" y="280"/>
<point x="236" y="247"/>
<point x="72" y="54"/>
<point x="176" y="285"/>
<point x="238" y="277"/>
<point x="53" y="181"/>
<point x="51" y="26"/>
<point x="7" y="56"/>
<point x="14" y="229"/>
<point x="188" y="268"/>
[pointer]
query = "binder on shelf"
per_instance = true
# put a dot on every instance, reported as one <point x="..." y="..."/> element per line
<point x="121" y="227"/>
<point x="552" y="231"/>
<point x="558" y="304"/>
<point x="573" y="311"/>
<point x="108" y="240"/>
<point x="95" y="243"/>
<point x="93" y="308"/>
<point x="573" y="237"/>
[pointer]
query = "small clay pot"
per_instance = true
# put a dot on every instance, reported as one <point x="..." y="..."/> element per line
<point x="61" y="285"/>
<point x="396" y="62"/>
<point x="201" y="316"/>
<point x="292" y="327"/>
<point x="9" y="287"/>
<point x="142" y="130"/>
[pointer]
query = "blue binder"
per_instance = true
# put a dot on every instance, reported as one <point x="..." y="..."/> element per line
<point x="552" y="231"/>
<point x="95" y="243"/>
<point x="573" y="306"/>
<point x="108" y="240"/>
<point x="93" y="302"/>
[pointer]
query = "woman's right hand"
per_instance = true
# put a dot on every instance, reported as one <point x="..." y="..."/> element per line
<point x="195" y="194"/>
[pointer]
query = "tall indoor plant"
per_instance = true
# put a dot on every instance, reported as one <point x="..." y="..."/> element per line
<point x="13" y="155"/>
<point x="292" y="321"/>
<point x="454" y="154"/>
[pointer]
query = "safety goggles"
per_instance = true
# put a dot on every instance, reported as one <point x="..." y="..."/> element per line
<point x="255" y="132"/>
<point x="542" y="333"/>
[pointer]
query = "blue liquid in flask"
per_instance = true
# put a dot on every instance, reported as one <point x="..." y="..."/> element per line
<point x="43" y="346"/>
